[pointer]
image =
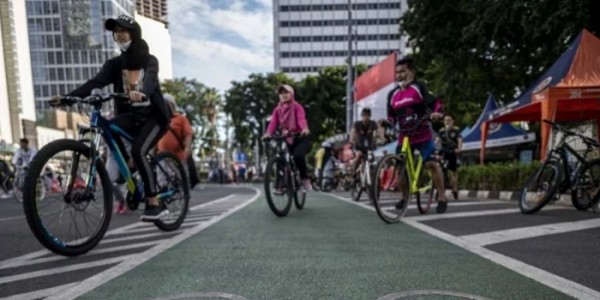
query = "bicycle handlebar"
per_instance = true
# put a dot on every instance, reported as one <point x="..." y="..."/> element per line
<point x="585" y="139"/>
<point x="92" y="99"/>
<point x="282" y="137"/>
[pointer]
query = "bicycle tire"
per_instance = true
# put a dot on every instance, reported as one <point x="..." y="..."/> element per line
<point x="422" y="205"/>
<point x="387" y="214"/>
<point x="577" y="194"/>
<point x="300" y="201"/>
<point x="30" y="206"/>
<point x="270" y="201"/>
<point x="356" y="189"/>
<point x="550" y="188"/>
<point x="183" y="184"/>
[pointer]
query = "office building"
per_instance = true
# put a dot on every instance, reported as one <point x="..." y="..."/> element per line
<point x="17" y="110"/>
<point x="312" y="34"/>
<point x="152" y="17"/>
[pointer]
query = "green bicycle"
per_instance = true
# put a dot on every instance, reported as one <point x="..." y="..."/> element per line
<point x="394" y="173"/>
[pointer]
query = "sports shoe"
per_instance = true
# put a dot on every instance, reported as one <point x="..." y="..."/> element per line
<point x="153" y="213"/>
<point x="441" y="207"/>
<point x="400" y="204"/>
<point x="121" y="208"/>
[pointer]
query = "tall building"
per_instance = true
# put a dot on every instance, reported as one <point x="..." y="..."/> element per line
<point x="17" y="110"/>
<point x="152" y="17"/>
<point x="153" y="9"/>
<point x="312" y="34"/>
<point x="68" y="42"/>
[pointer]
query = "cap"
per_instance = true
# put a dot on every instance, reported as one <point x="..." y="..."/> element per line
<point x="286" y="88"/>
<point x="123" y="21"/>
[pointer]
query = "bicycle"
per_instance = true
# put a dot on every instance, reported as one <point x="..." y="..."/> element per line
<point x="19" y="183"/>
<point x="402" y="170"/>
<point x="363" y="177"/>
<point x="550" y="180"/>
<point x="80" y="191"/>
<point x="282" y="176"/>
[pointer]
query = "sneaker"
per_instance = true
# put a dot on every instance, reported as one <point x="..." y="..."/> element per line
<point x="441" y="207"/>
<point x="400" y="204"/>
<point x="307" y="184"/>
<point x="455" y="194"/>
<point x="6" y="196"/>
<point x="121" y="208"/>
<point x="153" y="213"/>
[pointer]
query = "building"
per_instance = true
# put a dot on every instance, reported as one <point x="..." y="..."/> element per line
<point x="312" y="34"/>
<point x="152" y="17"/>
<point x="68" y="42"/>
<point x="17" y="109"/>
<point x="153" y="9"/>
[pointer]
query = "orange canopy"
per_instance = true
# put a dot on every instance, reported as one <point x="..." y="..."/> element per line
<point x="569" y="90"/>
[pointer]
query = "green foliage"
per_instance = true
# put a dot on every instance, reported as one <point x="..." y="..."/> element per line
<point x="467" y="48"/>
<point x="201" y="105"/>
<point x="495" y="177"/>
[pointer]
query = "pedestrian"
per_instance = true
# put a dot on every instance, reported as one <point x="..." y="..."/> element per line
<point x="449" y="137"/>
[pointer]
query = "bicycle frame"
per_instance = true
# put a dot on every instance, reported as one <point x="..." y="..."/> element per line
<point x="560" y="153"/>
<point x="100" y="127"/>
<point x="413" y="168"/>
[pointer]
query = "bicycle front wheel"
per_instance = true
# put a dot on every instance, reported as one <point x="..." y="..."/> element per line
<point x="73" y="217"/>
<point x="278" y="188"/>
<point x="172" y="178"/>
<point x="391" y="192"/>
<point x="541" y="187"/>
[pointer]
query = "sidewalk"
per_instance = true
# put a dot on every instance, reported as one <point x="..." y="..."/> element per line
<point x="330" y="250"/>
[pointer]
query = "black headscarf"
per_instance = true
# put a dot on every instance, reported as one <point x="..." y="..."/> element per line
<point x="138" y="53"/>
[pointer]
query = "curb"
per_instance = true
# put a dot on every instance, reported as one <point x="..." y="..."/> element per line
<point x="501" y="195"/>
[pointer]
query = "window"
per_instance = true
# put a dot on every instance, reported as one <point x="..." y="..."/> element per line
<point x="56" y="25"/>
<point x="68" y="57"/>
<point x="50" y="56"/>
<point x="69" y="74"/>
<point x="47" y="24"/>
<point x="57" y="41"/>
<point x="49" y="41"/>
<point x="77" y="74"/>
<point x="59" y="58"/>
<point x="76" y="57"/>
<point x="61" y="74"/>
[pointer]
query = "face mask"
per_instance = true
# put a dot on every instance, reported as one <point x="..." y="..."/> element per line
<point x="124" y="46"/>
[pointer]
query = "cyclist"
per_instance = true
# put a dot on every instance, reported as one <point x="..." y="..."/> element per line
<point x="449" y="137"/>
<point x="24" y="154"/>
<point x="362" y="137"/>
<point x="408" y="103"/>
<point x="134" y="72"/>
<point x="289" y="116"/>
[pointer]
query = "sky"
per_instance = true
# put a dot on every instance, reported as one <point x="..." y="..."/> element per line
<point x="219" y="41"/>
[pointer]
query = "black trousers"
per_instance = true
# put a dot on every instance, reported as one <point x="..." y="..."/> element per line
<point x="146" y="133"/>
<point x="298" y="150"/>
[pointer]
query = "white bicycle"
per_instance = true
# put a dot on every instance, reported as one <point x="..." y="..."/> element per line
<point x="363" y="180"/>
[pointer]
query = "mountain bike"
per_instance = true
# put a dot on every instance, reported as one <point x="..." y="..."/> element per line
<point x="363" y="178"/>
<point x="557" y="175"/>
<point x="73" y="220"/>
<point x="282" y="178"/>
<point x="404" y="171"/>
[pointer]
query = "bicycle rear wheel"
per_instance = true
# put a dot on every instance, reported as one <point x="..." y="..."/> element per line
<point x="278" y="187"/>
<point x="541" y="187"/>
<point x="389" y="177"/>
<point x="587" y="185"/>
<point x="71" y="219"/>
<point x="300" y="198"/>
<point x="172" y="178"/>
<point x="425" y="195"/>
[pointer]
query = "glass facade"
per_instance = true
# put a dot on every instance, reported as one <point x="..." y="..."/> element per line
<point x="68" y="42"/>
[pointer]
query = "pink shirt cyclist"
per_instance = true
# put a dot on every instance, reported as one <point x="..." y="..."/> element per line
<point x="289" y="117"/>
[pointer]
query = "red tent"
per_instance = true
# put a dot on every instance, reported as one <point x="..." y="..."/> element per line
<point x="569" y="90"/>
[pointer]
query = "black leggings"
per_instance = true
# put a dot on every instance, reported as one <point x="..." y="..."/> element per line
<point x="145" y="133"/>
<point x="298" y="150"/>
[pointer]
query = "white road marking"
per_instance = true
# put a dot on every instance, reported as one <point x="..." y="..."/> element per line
<point x="556" y="282"/>
<point x="100" y="279"/>
<point x="501" y="236"/>
<point x="40" y="293"/>
<point x="59" y="258"/>
<point x="59" y="270"/>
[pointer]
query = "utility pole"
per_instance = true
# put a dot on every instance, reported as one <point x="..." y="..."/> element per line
<point x="349" y="79"/>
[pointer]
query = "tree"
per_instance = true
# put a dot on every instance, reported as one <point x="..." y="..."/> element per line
<point x="467" y="48"/>
<point x="201" y="105"/>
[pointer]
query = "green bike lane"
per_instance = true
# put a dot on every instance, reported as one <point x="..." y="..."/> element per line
<point x="329" y="250"/>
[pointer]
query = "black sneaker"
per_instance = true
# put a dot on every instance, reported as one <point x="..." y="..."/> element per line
<point x="441" y="207"/>
<point x="400" y="204"/>
<point x="455" y="194"/>
<point x="153" y="213"/>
